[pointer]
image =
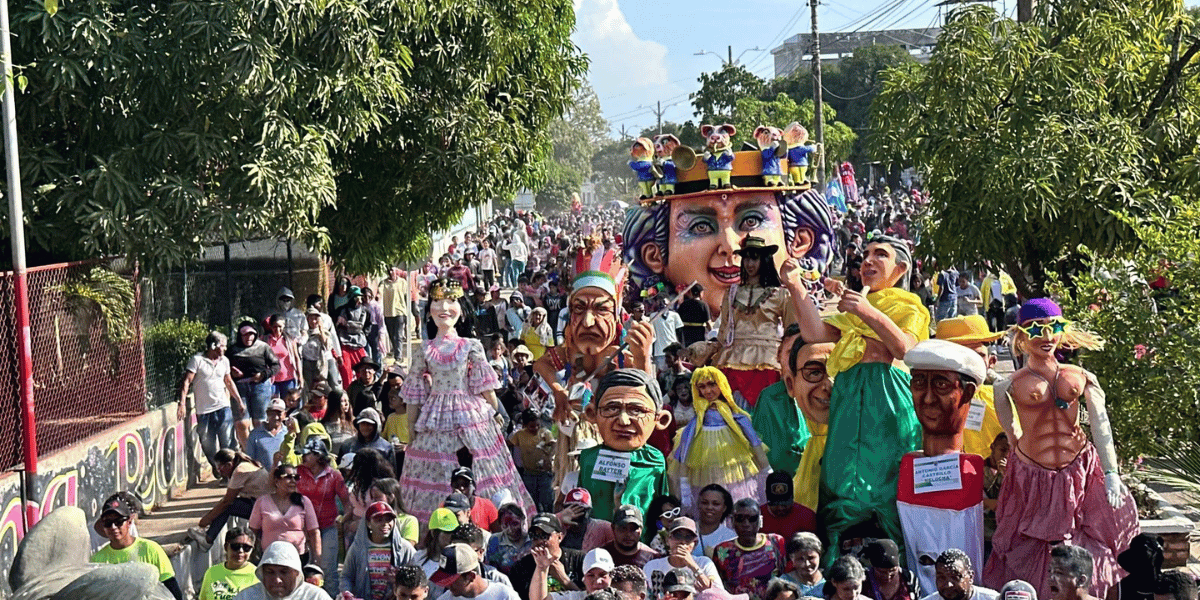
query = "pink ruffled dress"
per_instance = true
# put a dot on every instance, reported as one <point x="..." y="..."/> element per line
<point x="454" y="415"/>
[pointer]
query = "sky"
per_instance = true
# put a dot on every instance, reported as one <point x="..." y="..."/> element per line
<point x="647" y="51"/>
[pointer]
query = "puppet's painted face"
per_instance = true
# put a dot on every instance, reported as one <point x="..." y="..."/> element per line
<point x="593" y="322"/>
<point x="810" y="384"/>
<point x="704" y="232"/>
<point x="626" y="416"/>
<point x="1044" y="336"/>
<point x="879" y="268"/>
<point x="445" y="313"/>
<point x="940" y="400"/>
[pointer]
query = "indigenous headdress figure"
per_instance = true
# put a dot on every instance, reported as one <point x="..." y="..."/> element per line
<point x="599" y="268"/>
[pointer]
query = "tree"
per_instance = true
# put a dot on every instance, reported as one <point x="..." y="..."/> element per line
<point x="688" y="132"/>
<point x="576" y="136"/>
<point x="152" y="130"/>
<point x="719" y="92"/>
<point x="1038" y="138"/>
<point x="1144" y="306"/>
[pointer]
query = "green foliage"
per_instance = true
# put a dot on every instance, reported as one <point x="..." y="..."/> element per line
<point x="851" y="86"/>
<point x="576" y="136"/>
<point x="152" y="130"/>
<point x="100" y="294"/>
<point x="716" y="101"/>
<point x="1150" y="364"/>
<point x="1038" y="138"/>
<point x="168" y="346"/>
<point x="488" y="79"/>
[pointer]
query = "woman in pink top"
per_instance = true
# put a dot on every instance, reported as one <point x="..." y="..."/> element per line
<point x="287" y="516"/>
<point x="287" y="352"/>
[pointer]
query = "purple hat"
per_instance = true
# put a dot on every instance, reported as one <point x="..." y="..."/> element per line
<point x="1038" y="308"/>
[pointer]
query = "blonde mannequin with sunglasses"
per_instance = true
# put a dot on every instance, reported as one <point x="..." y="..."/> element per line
<point x="1058" y="485"/>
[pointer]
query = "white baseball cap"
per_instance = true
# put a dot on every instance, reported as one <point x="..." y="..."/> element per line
<point x="598" y="558"/>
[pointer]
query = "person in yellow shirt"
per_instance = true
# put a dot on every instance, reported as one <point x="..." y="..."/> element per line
<point x="982" y="423"/>
<point x="224" y="580"/>
<point x="116" y="523"/>
<point x="395" y="429"/>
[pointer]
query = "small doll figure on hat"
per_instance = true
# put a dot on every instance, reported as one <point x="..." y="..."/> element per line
<point x="798" y="151"/>
<point x="718" y="154"/>
<point x="769" y="143"/>
<point x="642" y="153"/>
<point x="664" y="146"/>
<point x="1058" y="485"/>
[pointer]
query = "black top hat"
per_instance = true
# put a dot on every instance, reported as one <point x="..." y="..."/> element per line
<point x="756" y="246"/>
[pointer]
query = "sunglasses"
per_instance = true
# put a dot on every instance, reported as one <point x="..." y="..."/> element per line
<point x="289" y="476"/>
<point x="538" y="534"/>
<point x="1037" y="329"/>
<point x="105" y="524"/>
<point x="745" y="518"/>
<point x="671" y="514"/>
<point x="241" y="547"/>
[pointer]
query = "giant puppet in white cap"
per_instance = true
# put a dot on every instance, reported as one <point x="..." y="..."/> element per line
<point x="940" y="491"/>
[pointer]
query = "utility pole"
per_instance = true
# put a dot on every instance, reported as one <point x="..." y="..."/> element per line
<point x="1024" y="11"/>
<point x="730" y="63"/>
<point x="819" y="124"/>
<point x="658" y="115"/>
<point x="624" y="132"/>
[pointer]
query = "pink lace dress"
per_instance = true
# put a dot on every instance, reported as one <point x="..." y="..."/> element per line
<point x="454" y="415"/>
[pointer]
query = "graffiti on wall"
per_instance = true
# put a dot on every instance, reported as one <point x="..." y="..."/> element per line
<point x="146" y="461"/>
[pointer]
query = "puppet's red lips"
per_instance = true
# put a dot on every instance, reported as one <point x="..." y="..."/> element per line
<point x="726" y="274"/>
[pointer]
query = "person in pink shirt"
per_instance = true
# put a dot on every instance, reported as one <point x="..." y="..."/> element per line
<point x="288" y="516"/>
<point x="288" y="353"/>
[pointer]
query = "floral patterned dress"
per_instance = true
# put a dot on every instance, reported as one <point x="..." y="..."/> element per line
<point x="454" y="415"/>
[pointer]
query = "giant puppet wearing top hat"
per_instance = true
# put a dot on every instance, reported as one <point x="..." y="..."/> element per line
<point x="717" y="198"/>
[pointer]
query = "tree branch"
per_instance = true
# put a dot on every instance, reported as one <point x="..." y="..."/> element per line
<point x="1172" y="78"/>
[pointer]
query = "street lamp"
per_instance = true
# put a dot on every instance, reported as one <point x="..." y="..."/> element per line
<point x="730" y="62"/>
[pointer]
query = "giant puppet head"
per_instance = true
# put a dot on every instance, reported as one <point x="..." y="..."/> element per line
<point x="595" y="299"/>
<point x="692" y="235"/>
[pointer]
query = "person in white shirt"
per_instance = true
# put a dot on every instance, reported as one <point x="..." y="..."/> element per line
<point x="488" y="262"/>
<point x="597" y="564"/>
<point x="665" y="327"/>
<point x="518" y="254"/>
<point x="968" y="296"/>
<point x="680" y="543"/>
<point x="209" y="377"/>
<point x="955" y="579"/>
<point x="517" y="314"/>
<point x="280" y="577"/>
<point x="461" y="575"/>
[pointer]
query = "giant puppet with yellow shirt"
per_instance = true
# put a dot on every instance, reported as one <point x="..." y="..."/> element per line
<point x="871" y="419"/>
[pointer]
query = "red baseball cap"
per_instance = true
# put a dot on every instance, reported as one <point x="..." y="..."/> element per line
<point x="578" y="496"/>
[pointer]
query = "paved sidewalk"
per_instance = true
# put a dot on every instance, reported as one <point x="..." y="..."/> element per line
<point x="168" y="526"/>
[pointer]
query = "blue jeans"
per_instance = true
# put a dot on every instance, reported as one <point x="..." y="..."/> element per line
<point x="256" y="396"/>
<point x="216" y="431"/>
<point x="241" y="507"/>
<point x="947" y="309"/>
<point x="515" y="269"/>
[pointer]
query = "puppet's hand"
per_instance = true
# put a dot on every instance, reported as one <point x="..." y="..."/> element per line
<point x="641" y="341"/>
<point x="1115" y="489"/>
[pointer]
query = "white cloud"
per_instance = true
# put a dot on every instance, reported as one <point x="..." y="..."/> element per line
<point x="620" y="61"/>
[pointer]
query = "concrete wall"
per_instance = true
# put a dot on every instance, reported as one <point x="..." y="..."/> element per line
<point x="150" y="456"/>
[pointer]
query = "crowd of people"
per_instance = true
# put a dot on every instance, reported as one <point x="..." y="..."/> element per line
<point x="449" y="432"/>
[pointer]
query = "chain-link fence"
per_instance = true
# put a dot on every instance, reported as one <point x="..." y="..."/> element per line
<point x="87" y="355"/>
<point x="92" y="366"/>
